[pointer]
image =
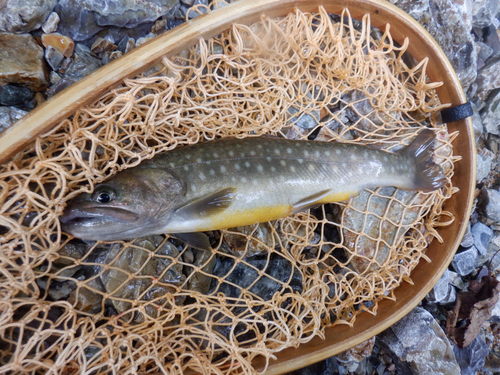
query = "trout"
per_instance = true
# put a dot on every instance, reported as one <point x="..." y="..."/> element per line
<point x="234" y="182"/>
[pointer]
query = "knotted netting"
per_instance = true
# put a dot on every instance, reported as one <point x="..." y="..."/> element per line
<point x="155" y="305"/>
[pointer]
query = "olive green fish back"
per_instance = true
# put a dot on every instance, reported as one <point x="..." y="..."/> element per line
<point x="154" y="305"/>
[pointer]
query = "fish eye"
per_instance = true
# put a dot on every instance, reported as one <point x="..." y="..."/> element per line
<point x="103" y="196"/>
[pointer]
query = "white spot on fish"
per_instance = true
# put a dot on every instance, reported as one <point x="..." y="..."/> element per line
<point x="212" y="172"/>
<point x="289" y="150"/>
<point x="273" y="169"/>
<point x="247" y="164"/>
<point x="327" y="153"/>
<point x="300" y="160"/>
<point x="252" y="153"/>
<point x="237" y="167"/>
<point x="276" y="151"/>
<point x="311" y="167"/>
<point x="198" y="160"/>
<point x="233" y="179"/>
<point x="171" y="165"/>
<point x="186" y="167"/>
<point x="353" y="157"/>
<point x="259" y="147"/>
<point x="202" y="176"/>
<point x="222" y="169"/>
<point x="260" y="168"/>
<point x="244" y="179"/>
<point x="231" y="153"/>
<point x="292" y="169"/>
<point x="255" y="182"/>
<point x="338" y="152"/>
<point x="268" y="158"/>
<point x="215" y="154"/>
<point x="306" y="153"/>
<point x="283" y="163"/>
<point x="317" y="154"/>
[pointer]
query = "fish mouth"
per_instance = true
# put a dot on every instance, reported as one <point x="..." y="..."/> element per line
<point x="90" y="216"/>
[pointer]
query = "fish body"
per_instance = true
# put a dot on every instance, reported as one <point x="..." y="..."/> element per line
<point x="235" y="182"/>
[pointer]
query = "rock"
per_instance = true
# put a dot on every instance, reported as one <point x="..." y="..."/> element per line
<point x="471" y="358"/>
<point x="250" y="240"/>
<point x="450" y="32"/>
<point x="477" y="122"/>
<point x="327" y="367"/>
<point x="144" y="39"/>
<point x="126" y="44"/>
<point x="50" y="24"/>
<point x="353" y="356"/>
<point x="492" y="209"/>
<point x="200" y="281"/>
<point x="22" y="16"/>
<point x="390" y="206"/>
<point x="482" y="236"/>
<point x="418" y="345"/>
<point x="11" y="95"/>
<point x="483" y="12"/>
<point x="467" y="240"/>
<point x="62" y="43"/>
<point x="101" y="45"/>
<point x="9" y="115"/>
<point x="490" y="114"/>
<point x="483" y="51"/>
<point x="456" y="280"/>
<point x="81" y="19"/>
<point x="484" y="164"/>
<point x="443" y="293"/>
<point x="53" y="57"/>
<point x="22" y="62"/>
<point x="491" y="38"/>
<point x="465" y="262"/>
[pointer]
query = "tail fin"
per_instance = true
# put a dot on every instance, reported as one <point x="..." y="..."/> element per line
<point x="428" y="175"/>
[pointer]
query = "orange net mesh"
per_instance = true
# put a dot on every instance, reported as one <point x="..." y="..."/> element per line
<point x="155" y="305"/>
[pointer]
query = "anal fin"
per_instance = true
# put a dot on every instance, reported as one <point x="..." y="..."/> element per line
<point x="310" y="201"/>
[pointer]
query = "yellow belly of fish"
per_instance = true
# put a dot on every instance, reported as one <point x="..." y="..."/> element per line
<point x="236" y="218"/>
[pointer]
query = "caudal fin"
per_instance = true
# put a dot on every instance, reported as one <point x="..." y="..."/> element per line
<point x="428" y="175"/>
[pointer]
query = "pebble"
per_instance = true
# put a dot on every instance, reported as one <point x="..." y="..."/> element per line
<point x="443" y="293"/>
<point x="465" y="262"/>
<point x="477" y="123"/>
<point x="484" y="164"/>
<point x="417" y="342"/>
<point x="490" y="114"/>
<point x="467" y="240"/>
<point x="492" y="204"/>
<point x="482" y="237"/>
<point x="471" y="358"/>
<point x="23" y="16"/>
<point x="126" y="44"/>
<point x="9" y="115"/>
<point x="12" y="95"/>
<point x="101" y="45"/>
<point x="62" y="43"/>
<point x="53" y="57"/>
<point x="50" y="24"/>
<point x="352" y="357"/>
<point x="456" y="280"/>
<point x="483" y="12"/>
<point x="22" y="62"/>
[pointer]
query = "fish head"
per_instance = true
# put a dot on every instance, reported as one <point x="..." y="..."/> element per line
<point x="130" y="204"/>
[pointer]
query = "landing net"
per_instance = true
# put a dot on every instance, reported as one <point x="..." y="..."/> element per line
<point x="154" y="305"/>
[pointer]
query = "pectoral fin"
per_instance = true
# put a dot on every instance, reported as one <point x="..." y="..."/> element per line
<point x="197" y="240"/>
<point x="310" y="201"/>
<point x="208" y="205"/>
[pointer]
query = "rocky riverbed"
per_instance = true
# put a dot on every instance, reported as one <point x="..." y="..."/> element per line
<point x="45" y="46"/>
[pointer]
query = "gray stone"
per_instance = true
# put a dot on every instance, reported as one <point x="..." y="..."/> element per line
<point x="53" y="57"/>
<point x="303" y="120"/>
<point x="490" y="114"/>
<point x="418" y="345"/>
<point x="492" y="204"/>
<point x="465" y="262"/>
<point x="11" y="95"/>
<point x="22" y="16"/>
<point x="483" y="51"/>
<point x="22" y="62"/>
<point x="482" y="237"/>
<point x="126" y="44"/>
<point x="443" y="293"/>
<point x="464" y="7"/>
<point x="9" y="115"/>
<point x="477" y="122"/>
<point x="471" y="358"/>
<point x="50" y="25"/>
<point x="467" y="239"/>
<point x="484" y="163"/>
<point x="81" y="19"/>
<point x="456" y="280"/>
<point x="483" y="12"/>
<point x="446" y="24"/>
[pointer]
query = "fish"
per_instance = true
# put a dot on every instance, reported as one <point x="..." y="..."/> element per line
<point x="234" y="182"/>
